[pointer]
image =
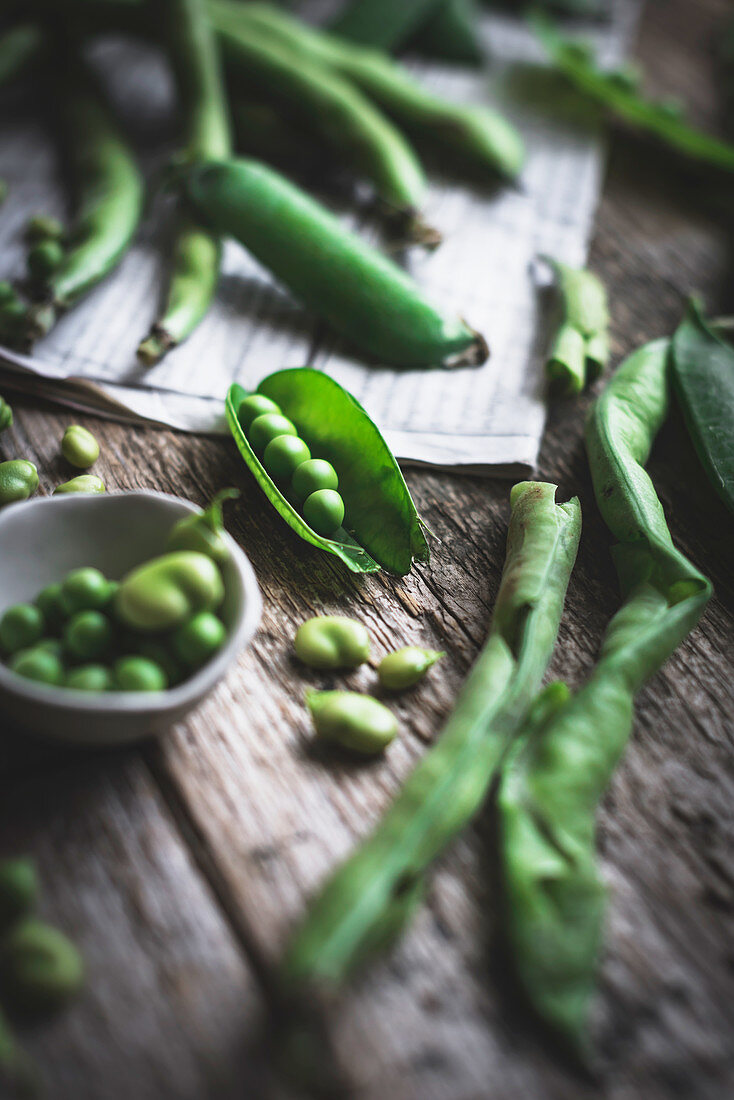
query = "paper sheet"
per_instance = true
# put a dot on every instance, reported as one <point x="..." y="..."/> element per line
<point x="488" y="419"/>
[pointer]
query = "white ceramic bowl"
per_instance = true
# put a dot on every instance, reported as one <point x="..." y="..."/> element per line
<point x="40" y="541"/>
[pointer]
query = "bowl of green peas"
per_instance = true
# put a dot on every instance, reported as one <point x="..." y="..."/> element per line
<point x="118" y="613"/>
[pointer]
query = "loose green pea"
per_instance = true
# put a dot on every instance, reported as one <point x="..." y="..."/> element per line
<point x="406" y="667"/>
<point x="163" y="593"/>
<point x="43" y="227"/>
<point x="85" y="483"/>
<point x="283" y="455"/>
<point x="85" y="589"/>
<point x="18" y="889"/>
<point x="139" y="674"/>
<point x="95" y="678"/>
<point x="253" y="406"/>
<point x="54" y="646"/>
<point x="38" y="664"/>
<point x="332" y="641"/>
<point x="266" y="427"/>
<point x="79" y="447"/>
<point x="21" y="626"/>
<point x="88" y="635"/>
<point x="51" y="605"/>
<point x="18" y="479"/>
<point x="203" y="531"/>
<point x="311" y="476"/>
<point x="324" y="511"/>
<point x="43" y="258"/>
<point x="6" y="415"/>
<point x="40" y="968"/>
<point x="199" y="639"/>
<point x="357" y="722"/>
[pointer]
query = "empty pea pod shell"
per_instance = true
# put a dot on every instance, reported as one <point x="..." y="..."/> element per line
<point x="381" y="527"/>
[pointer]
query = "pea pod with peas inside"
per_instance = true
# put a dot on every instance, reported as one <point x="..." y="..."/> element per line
<point x="381" y="527"/>
<point x="361" y="293"/>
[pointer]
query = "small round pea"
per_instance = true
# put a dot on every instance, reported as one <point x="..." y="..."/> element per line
<point x="357" y="722"/>
<point x="283" y="455"/>
<point x="406" y="666"/>
<point x="22" y="625"/>
<point x="95" y="678"/>
<point x="88" y="635"/>
<point x="85" y="483"/>
<point x="313" y="475"/>
<point x="51" y="606"/>
<point x="332" y="641"/>
<point x="43" y="258"/>
<point x="139" y="674"/>
<point x="324" y="511"/>
<point x="267" y="427"/>
<point x="85" y="589"/>
<point x="43" y="227"/>
<point x="159" y="653"/>
<point x="13" y="316"/>
<point x="53" y="646"/>
<point x="40" y="968"/>
<point x="79" y="447"/>
<point x="18" y="479"/>
<point x="199" y="639"/>
<point x="18" y="889"/>
<point x="257" y="404"/>
<point x="38" y="664"/>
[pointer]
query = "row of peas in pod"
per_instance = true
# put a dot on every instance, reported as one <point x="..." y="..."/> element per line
<point x="352" y="719"/>
<point x="147" y="632"/>
<point x="311" y="484"/>
<point x="19" y="477"/>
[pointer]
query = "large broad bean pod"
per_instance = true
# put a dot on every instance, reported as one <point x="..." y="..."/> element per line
<point x="548" y="799"/>
<point x="367" y="902"/>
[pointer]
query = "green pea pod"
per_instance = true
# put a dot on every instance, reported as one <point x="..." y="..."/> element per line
<point x="383" y="528"/>
<point x="580" y="347"/>
<point x="325" y="103"/>
<point x="110" y="196"/>
<point x="622" y="100"/>
<point x="360" y="292"/>
<point x="554" y="895"/>
<point x="382" y="23"/>
<point x="703" y="378"/>
<point x="364" y="904"/>
<point x="475" y="135"/>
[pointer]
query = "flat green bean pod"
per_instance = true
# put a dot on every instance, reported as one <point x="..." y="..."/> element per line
<point x="367" y="902"/>
<point x="109" y="196"/>
<point x="382" y="525"/>
<point x="703" y="379"/>
<point x="475" y="135"/>
<point x="548" y="799"/>
<point x="360" y="292"/>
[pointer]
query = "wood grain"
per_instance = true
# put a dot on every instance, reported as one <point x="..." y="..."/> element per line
<point x="182" y="866"/>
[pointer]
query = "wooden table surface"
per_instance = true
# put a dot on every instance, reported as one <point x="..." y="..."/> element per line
<point x="179" y="866"/>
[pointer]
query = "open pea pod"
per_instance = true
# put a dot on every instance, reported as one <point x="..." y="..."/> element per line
<point x="381" y="525"/>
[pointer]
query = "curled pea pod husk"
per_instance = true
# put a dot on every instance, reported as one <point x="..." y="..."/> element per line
<point x="366" y="903"/>
<point x="360" y="292"/>
<point x="580" y="346"/>
<point x="381" y="526"/>
<point x="554" y="895"/>
<point x="703" y="380"/>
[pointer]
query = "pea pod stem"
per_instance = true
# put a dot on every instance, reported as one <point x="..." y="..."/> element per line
<point x="548" y="798"/>
<point x="326" y="103"/>
<point x="196" y="253"/>
<point x="109" y="195"/>
<point x="478" y="136"/>
<point x="365" y="904"/>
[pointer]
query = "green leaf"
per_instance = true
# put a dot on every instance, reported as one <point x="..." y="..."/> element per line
<point x="382" y="521"/>
<point x="703" y="377"/>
